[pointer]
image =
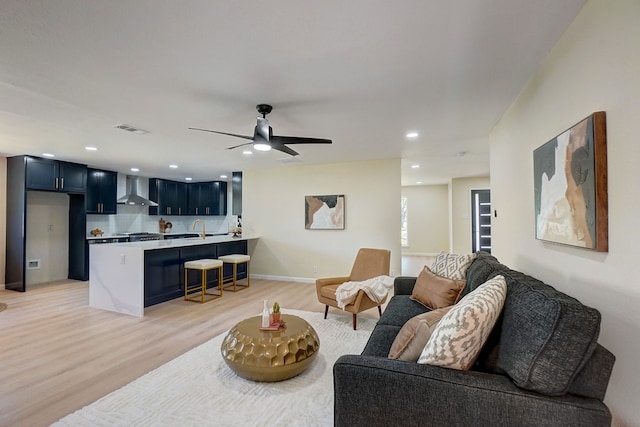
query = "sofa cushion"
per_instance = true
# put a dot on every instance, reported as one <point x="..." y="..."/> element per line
<point x="452" y="266"/>
<point x="400" y="309"/>
<point x="414" y="335"/>
<point x="459" y="336"/>
<point x="547" y="336"/>
<point x="435" y="291"/>
<point x="380" y="341"/>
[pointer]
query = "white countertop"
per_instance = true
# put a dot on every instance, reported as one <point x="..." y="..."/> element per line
<point x="174" y="243"/>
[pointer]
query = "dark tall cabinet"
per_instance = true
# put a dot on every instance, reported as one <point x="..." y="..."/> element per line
<point x="32" y="173"/>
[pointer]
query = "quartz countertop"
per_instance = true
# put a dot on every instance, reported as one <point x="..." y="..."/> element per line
<point x="190" y="241"/>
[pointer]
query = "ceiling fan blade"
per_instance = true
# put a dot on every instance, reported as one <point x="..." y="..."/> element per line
<point x="283" y="148"/>
<point x="240" y="145"/>
<point x="299" y="140"/>
<point x="225" y="133"/>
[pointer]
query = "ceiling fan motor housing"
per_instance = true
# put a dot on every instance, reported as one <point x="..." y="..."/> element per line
<point x="264" y="109"/>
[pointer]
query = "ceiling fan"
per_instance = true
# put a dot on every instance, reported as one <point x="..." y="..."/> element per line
<point x="263" y="138"/>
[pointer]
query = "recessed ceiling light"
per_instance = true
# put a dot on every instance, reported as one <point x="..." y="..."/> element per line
<point x="173" y="166"/>
<point x="247" y="152"/>
<point x="418" y="182"/>
<point x="48" y="155"/>
<point x="223" y="176"/>
<point x="91" y="148"/>
<point x="415" y="166"/>
<point x="135" y="170"/>
<point x="188" y="178"/>
<point x="412" y="135"/>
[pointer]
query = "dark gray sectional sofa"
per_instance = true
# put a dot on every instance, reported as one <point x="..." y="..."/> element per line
<point x="541" y="365"/>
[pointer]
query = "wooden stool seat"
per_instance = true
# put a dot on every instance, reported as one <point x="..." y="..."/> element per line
<point x="197" y="292"/>
<point x="232" y="281"/>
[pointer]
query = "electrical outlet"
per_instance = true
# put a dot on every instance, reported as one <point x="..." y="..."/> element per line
<point x="50" y="228"/>
<point x="315" y="268"/>
<point x="122" y="259"/>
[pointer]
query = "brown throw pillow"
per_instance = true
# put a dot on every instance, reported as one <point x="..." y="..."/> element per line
<point x="415" y="334"/>
<point x="435" y="291"/>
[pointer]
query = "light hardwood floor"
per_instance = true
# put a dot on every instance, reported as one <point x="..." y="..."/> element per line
<point x="57" y="354"/>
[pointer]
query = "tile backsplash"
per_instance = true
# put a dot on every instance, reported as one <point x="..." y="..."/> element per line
<point x="137" y="219"/>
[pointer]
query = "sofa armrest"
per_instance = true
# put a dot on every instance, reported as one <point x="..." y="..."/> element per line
<point x="403" y="285"/>
<point x="377" y="391"/>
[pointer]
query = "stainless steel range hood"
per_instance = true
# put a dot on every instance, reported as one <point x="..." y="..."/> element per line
<point x="132" y="197"/>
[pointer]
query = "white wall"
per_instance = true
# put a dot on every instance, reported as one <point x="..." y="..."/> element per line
<point x="47" y="236"/>
<point x="427" y="218"/>
<point x="461" y="211"/>
<point x="275" y="211"/>
<point x="595" y="66"/>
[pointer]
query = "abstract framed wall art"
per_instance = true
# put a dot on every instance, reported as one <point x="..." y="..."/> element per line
<point x="570" y="186"/>
<point x="324" y="212"/>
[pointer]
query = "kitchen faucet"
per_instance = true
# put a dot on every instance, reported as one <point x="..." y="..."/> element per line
<point x="203" y="234"/>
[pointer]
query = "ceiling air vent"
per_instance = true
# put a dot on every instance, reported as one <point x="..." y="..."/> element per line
<point x="132" y="129"/>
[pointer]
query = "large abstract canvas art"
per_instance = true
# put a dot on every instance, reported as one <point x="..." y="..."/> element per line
<point x="324" y="212"/>
<point x="570" y="180"/>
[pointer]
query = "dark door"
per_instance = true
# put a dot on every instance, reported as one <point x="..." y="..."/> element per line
<point x="72" y="177"/>
<point x="220" y="198"/>
<point x="101" y="191"/>
<point x="481" y="220"/>
<point x="161" y="276"/>
<point x="42" y="174"/>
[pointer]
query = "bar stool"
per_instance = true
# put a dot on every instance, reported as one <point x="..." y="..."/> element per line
<point x="235" y="259"/>
<point x="203" y="265"/>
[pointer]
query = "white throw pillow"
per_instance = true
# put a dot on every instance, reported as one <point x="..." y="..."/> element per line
<point x="459" y="336"/>
<point x="452" y="266"/>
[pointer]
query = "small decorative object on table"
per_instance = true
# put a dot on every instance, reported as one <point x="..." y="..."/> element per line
<point x="265" y="315"/>
<point x="275" y="314"/>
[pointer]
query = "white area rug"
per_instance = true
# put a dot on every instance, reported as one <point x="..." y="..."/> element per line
<point x="198" y="388"/>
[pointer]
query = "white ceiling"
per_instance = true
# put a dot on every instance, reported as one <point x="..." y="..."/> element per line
<point x="359" y="72"/>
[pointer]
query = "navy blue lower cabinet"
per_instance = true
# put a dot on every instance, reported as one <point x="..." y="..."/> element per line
<point x="162" y="281"/>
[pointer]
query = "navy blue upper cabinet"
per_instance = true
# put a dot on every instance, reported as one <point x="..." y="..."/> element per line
<point x="219" y="205"/>
<point x="208" y="198"/>
<point x="53" y="175"/>
<point x="101" y="191"/>
<point x="171" y="197"/>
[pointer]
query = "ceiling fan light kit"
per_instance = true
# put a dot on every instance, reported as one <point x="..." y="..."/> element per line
<point x="263" y="138"/>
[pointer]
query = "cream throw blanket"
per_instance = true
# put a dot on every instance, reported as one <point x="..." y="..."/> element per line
<point x="376" y="288"/>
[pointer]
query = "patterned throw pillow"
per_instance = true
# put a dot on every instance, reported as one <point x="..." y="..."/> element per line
<point x="460" y="335"/>
<point x="452" y="266"/>
<point x="435" y="291"/>
<point x="414" y="335"/>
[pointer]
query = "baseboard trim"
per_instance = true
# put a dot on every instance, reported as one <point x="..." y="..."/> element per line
<point x="284" y="278"/>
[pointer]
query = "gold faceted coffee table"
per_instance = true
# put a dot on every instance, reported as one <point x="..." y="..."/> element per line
<point x="270" y="355"/>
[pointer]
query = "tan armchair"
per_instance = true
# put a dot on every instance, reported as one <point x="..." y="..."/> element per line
<point x="369" y="263"/>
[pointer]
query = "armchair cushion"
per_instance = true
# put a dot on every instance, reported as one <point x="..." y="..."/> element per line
<point x="435" y="291"/>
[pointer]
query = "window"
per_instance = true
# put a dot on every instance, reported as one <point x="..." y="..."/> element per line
<point x="481" y="220"/>
<point x="404" y="236"/>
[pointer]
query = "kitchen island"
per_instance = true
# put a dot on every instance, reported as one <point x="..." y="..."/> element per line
<point x="127" y="277"/>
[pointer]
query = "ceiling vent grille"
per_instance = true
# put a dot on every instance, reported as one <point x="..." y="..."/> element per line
<point x="132" y="129"/>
